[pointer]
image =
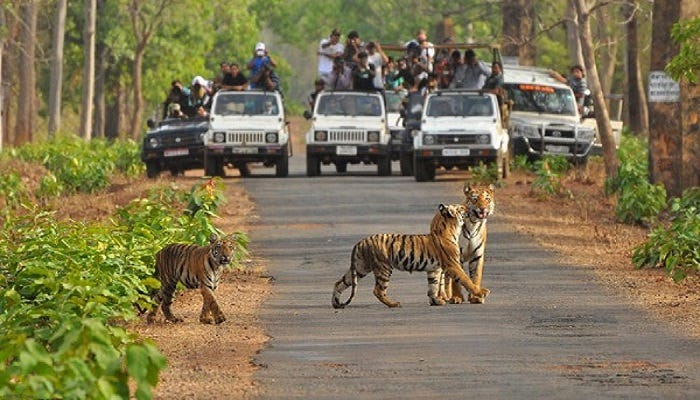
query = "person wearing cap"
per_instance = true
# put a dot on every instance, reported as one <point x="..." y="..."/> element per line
<point x="471" y="74"/>
<point x="260" y="61"/>
<point x="328" y="49"/>
<point x="341" y="76"/>
<point x="363" y="74"/>
<point x="200" y="95"/>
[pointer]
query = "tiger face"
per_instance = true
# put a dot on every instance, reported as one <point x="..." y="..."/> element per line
<point x="479" y="200"/>
<point x="221" y="249"/>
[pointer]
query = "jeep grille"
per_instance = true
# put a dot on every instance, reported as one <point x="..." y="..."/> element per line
<point x="346" y="135"/>
<point x="563" y="131"/>
<point x="458" y="138"/>
<point x="245" y="137"/>
<point x="178" y="140"/>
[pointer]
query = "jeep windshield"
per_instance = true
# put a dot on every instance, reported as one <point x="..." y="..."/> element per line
<point x="246" y="103"/>
<point x="459" y="105"/>
<point x="541" y="98"/>
<point x="349" y="105"/>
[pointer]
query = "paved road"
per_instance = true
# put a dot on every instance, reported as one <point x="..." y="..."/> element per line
<point x="546" y="330"/>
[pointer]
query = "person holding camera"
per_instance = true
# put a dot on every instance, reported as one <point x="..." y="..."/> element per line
<point x="260" y="66"/>
<point x="363" y="74"/>
<point x="328" y="50"/>
<point x="341" y="76"/>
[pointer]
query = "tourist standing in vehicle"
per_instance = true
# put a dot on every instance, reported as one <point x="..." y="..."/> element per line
<point x="177" y="94"/>
<point x="471" y="74"/>
<point x="341" y="76"/>
<point x="392" y="79"/>
<point x="200" y="95"/>
<point x="260" y="59"/>
<point x="353" y="46"/>
<point x="406" y="74"/>
<point x="577" y="81"/>
<point x="363" y="74"/>
<point x="328" y="50"/>
<point x="494" y="84"/>
<point x="234" y="79"/>
<point x="377" y="58"/>
<point x="319" y="85"/>
<point x="424" y="48"/>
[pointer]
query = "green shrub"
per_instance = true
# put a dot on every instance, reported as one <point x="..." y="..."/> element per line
<point x="549" y="172"/>
<point x="639" y="201"/>
<point x="484" y="173"/>
<point x="677" y="246"/>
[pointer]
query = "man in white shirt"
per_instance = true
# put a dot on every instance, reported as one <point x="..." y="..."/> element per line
<point x="328" y="50"/>
<point x="424" y="48"/>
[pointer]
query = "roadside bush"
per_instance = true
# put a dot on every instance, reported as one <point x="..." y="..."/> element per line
<point x="675" y="247"/>
<point x="484" y="173"/>
<point x="80" y="166"/>
<point x="639" y="201"/>
<point x="549" y="172"/>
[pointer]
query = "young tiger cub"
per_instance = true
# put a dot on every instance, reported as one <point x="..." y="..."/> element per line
<point x="472" y="243"/>
<point x="433" y="253"/>
<point x="196" y="267"/>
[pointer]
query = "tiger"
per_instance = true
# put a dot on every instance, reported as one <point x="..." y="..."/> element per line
<point x="472" y="242"/>
<point x="433" y="253"/>
<point x="196" y="267"/>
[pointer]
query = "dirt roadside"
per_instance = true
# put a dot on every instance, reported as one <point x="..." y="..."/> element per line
<point x="215" y="362"/>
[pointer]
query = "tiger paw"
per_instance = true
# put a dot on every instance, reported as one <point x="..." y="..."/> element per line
<point x="173" y="320"/>
<point x="206" y="320"/>
<point x="480" y="297"/>
<point x="457" y="300"/>
<point x="436" y="301"/>
<point x="219" y="319"/>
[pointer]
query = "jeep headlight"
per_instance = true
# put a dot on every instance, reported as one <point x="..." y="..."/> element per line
<point x="429" y="140"/>
<point x="219" y="137"/>
<point x="586" y="134"/>
<point x="373" y="136"/>
<point x="529" y="131"/>
<point x="153" y="142"/>
<point x="484" y="139"/>
<point x="320" y="136"/>
<point x="271" y="137"/>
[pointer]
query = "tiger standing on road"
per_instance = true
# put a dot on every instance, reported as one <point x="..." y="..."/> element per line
<point x="472" y="242"/>
<point x="433" y="253"/>
<point x="196" y="267"/>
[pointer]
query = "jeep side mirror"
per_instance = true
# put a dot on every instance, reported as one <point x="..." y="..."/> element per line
<point x="151" y="123"/>
<point x="307" y="114"/>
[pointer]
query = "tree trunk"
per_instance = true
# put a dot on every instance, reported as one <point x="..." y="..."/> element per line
<point x="27" y="76"/>
<point x="518" y="31"/>
<point x="602" y="116"/>
<point x="88" y="70"/>
<point x="637" y="113"/>
<point x="55" y="86"/>
<point x="137" y="112"/>
<point x="572" y="40"/>
<point x="607" y="33"/>
<point x="100" y="84"/>
<point x="665" y="144"/>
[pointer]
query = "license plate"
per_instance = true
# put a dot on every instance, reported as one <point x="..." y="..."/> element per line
<point x="455" y="152"/>
<point x="175" y="152"/>
<point x="346" y="150"/>
<point x="557" y="149"/>
<point x="245" y="150"/>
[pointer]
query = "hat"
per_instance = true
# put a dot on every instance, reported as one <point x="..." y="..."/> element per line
<point x="260" y="48"/>
<point x="199" y="80"/>
<point x="174" y="107"/>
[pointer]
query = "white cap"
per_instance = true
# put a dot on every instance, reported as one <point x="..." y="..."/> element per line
<point x="200" y="80"/>
<point x="260" y="48"/>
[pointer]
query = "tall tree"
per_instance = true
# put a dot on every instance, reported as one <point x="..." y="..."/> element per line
<point x="584" y="8"/>
<point x="55" y="87"/>
<point x="572" y="40"/>
<point x="3" y="34"/>
<point x="86" y="111"/>
<point x="674" y="134"/>
<point x="146" y="18"/>
<point x="636" y="98"/>
<point x="27" y="76"/>
<point x="518" y="30"/>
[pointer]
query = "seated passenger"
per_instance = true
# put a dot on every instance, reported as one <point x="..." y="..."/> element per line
<point x="175" y="112"/>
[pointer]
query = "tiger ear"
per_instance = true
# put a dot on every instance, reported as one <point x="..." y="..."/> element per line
<point x="467" y="187"/>
<point x="212" y="238"/>
<point x="445" y="211"/>
<point x="492" y="187"/>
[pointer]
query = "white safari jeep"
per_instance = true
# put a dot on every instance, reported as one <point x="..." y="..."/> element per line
<point x="244" y="127"/>
<point x="460" y="128"/>
<point x="544" y="117"/>
<point x="348" y="127"/>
